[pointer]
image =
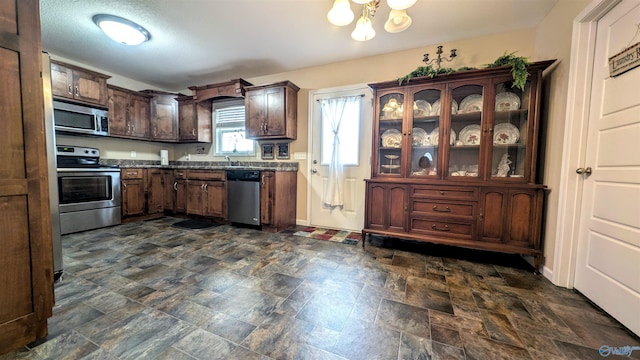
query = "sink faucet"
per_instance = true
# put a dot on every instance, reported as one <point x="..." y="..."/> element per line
<point x="228" y="160"/>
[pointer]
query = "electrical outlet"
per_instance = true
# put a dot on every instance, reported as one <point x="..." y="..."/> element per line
<point x="134" y="154"/>
<point x="200" y="150"/>
<point x="299" y="155"/>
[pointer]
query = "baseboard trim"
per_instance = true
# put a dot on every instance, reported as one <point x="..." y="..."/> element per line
<point x="302" y="222"/>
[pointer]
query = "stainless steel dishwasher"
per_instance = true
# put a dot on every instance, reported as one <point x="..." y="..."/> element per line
<point x="243" y="196"/>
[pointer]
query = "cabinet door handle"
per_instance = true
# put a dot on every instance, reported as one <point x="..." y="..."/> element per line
<point x="155" y="131"/>
<point x="69" y="90"/>
<point x="262" y="181"/>
<point x="441" y="192"/>
<point x="202" y="187"/>
<point x="266" y="128"/>
<point x="435" y="227"/>
<point x="446" y="209"/>
<point x="193" y="132"/>
<point x="175" y="185"/>
<point x="77" y="91"/>
<point x="124" y="187"/>
<point x="205" y="187"/>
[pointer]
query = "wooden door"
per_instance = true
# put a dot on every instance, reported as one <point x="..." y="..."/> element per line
<point x="255" y="110"/>
<point x="195" y="197"/>
<point x="164" y="118"/>
<point x="89" y="87"/>
<point x="493" y="205"/>
<point x="26" y="279"/>
<point x="169" y="190"/>
<point x="180" y="188"/>
<point x="187" y="120"/>
<point x="608" y="255"/>
<point x="215" y="193"/>
<point x="155" y="191"/>
<point x="387" y="207"/>
<point x="61" y="81"/>
<point x="275" y="123"/>
<point x="118" y="108"/>
<point x="266" y="197"/>
<point x="139" y="115"/>
<point x="132" y="197"/>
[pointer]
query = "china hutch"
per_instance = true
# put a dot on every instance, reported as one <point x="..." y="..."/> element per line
<point x="454" y="161"/>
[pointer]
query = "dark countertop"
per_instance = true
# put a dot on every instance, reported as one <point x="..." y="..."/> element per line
<point x="204" y="165"/>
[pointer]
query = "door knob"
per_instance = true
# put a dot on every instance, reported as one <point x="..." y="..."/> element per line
<point x="314" y="171"/>
<point x="586" y="171"/>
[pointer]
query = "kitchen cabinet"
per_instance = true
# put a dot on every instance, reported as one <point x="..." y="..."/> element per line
<point x="154" y="191"/>
<point x="133" y="192"/>
<point x="129" y="113"/>
<point x="271" y="111"/>
<point x="454" y="161"/>
<point x="278" y="191"/>
<point x="26" y="279"/>
<point x="74" y="83"/>
<point x="206" y="193"/>
<point x="194" y="119"/>
<point x="163" y="122"/>
<point x="180" y="191"/>
<point x="169" y="198"/>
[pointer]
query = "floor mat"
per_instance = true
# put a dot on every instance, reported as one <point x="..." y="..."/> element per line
<point x="195" y="224"/>
<point x="341" y="236"/>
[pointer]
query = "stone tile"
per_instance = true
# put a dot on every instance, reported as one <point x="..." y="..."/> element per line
<point x="476" y="347"/>
<point x="419" y="294"/>
<point x="201" y="344"/>
<point x="279" y="284"/>
<point x="276" y="335"/>
<point x="67" y="345"/>
<point x="219" y="280"/>
<point x="414" y="348"/>
<point x="379" y="342"/>
<point x="405" y="318"/>
<point x="326" y="311"/>
<point x="446" y="336"/>
<point x="442" y="351"/>
<point x="500" y="329"/>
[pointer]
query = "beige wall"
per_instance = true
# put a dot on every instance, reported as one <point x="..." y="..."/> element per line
<point x="553" y="41"/>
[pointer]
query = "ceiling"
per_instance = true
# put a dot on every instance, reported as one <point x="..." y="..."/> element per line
<point x="197" y="42"/>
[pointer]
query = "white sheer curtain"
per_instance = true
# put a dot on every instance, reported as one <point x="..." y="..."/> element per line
<point x="333" y="111"/>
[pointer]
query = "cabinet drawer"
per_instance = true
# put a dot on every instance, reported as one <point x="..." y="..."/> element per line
<point x="131" y="173"/>
<point x="180" y="174"/>
<point x="442" y="228"/>
<point x="445" y="192"/>
<point x="205" y="175"/>
<point x="432" y="207"/>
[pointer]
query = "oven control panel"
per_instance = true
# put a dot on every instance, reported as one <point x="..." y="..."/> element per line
<point x="63" y="150"/>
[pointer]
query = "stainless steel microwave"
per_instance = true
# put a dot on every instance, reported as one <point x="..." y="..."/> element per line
<point x="81" y="119"/>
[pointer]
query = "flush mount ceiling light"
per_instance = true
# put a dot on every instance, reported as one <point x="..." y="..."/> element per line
<point x="341" y="15"/>
<point x="121" y="30"/>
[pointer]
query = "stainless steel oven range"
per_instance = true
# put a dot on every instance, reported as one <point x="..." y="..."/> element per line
<point x="89" y="194"/>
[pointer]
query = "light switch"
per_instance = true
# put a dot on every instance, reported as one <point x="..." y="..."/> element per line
<point x="134" y="154"/>
<point x="299" y="155"/>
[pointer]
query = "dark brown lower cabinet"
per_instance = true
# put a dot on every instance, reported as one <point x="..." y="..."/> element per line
<point x="206" y="193"/>
<point x="278" y="192"/>
<point x="506" y="219"/>
<point x="154" y="191"/>
<point x="169" y="199"/>
<point x="133" y="188"/>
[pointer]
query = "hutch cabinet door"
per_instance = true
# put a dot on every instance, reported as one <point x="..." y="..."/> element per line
<point x="390" y="141"/>
<point x="466" y="129"/>
<point x="511" y="156"/>
<point x="387" y="206"/>
<point x="424" y="130"/>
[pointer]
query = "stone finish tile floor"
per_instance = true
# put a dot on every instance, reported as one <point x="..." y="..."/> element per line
<point x="146" y="290"/>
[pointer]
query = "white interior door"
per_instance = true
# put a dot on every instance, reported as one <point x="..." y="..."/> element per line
<point x="608" y="258"/>
<point x="351" y="215"/>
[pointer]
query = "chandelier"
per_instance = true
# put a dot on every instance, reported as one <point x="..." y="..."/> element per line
<point x="341" y="15"/>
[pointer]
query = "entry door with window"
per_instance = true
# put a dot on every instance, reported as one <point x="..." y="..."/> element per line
<point x="354" y="150"/>
<point x="608" y="259"/>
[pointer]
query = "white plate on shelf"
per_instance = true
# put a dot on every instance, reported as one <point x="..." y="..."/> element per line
<point x="435" y="108"/>
<point x="470" y="135"/>
<point x="420" y="137"/>
<point x="421" y="108"/>
<point x="391" y="138"/>
<point x="505" y="133"/>
<point x="391" y="167"/>
<point x="470" y="104"/>
<point x="507" y="101"/>
<point x="435" y="135"/>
